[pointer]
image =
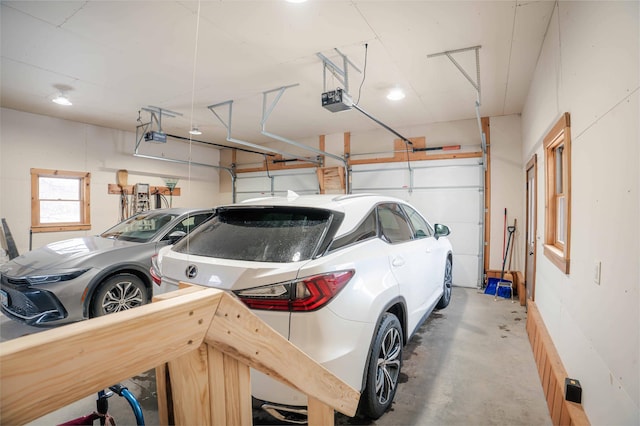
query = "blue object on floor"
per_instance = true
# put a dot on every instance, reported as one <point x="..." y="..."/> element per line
<point x="502" y="291"/>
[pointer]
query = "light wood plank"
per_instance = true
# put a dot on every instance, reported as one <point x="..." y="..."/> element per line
<point x="190" y="387"/>
<point x="218" y="401"/>
<point x="550" y="362"/>
<point x="319" y="414"/>
<point x="238" y="392"/>
<point x="239" y="333"/>
<point x="37" y="366"/>
<point x="163" y="394"/>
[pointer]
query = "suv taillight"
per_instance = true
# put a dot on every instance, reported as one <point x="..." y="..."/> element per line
<point x="304" y="295"/>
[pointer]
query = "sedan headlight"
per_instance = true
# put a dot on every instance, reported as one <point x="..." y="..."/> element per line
<point x="54" y="278"/>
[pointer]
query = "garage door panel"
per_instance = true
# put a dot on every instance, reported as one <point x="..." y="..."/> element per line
<point x="447" y="206"/>
<point x="465" y="238"/>
<point x="443" y="176"/>
<point x="303" y="182"/>
<point x="465" y="270"/>
<point x="253" y="182"/>
<point x="376" y="180"/>
<point x="259" y="184"/>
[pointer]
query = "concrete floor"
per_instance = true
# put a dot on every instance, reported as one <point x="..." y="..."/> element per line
<point x="468" y="364"/>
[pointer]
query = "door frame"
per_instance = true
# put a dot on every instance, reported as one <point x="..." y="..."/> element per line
<point x="531" y="164"/>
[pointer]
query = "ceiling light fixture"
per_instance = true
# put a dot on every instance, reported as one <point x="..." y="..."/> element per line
<point x="62" y="99"/>
<point x="395" y="94"/>
<point x="296" y="1"/>
<point x="195" y="131"/>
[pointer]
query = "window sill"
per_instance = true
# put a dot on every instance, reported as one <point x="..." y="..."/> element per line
<point x="556" y="256"/>
<point x="60" y="228"/>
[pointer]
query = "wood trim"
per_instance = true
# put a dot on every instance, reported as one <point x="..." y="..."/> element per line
<point x="347" y="146"/>
<point x="552" y="372"/>
<point x="276" y="166"/>
<point x="486" y="129"/>
<point x="85" y="201"/>
<point x="532" y="164"/>
<point x="59" y="228"/>
<point x="559" y="134"/>
<point x="113" y="188"/>
<point x="321" y="147"/>
<point x="556" y="257"/>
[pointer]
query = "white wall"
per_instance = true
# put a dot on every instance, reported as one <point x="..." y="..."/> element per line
<point x="507" y="191"/>
<point x="34" y="141"/>
<point x="589" y="67"/>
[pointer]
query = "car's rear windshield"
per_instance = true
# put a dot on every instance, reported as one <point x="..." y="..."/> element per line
<point x="260" y="234"/>
<point x="140" y="228"/>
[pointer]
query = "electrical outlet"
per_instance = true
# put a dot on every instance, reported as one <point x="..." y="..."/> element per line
<point x="596" y="272"/>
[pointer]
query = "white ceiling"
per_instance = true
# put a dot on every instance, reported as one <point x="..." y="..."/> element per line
<point x="118" y="56"/>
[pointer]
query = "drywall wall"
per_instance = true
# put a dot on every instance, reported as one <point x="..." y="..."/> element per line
<point x="507" y="191"/>
<point x="35" y="141"/>
<point x="589" y="67"/>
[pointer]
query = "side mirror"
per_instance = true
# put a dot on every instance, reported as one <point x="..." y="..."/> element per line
<point x="441" y="230"/>
<point x="175" y="236"/>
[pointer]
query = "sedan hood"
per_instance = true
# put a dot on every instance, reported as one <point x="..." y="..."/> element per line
<point x="225" y="274"/>
<point x="67" y="254"/>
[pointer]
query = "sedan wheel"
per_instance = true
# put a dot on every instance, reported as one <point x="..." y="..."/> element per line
<point x="384" y="367"/>
<point x="447" y="284"/>
<point x="119" y="293"/>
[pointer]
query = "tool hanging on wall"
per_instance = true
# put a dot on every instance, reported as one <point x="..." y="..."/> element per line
<point x="503" y="282"/>
<point x="515" y="221"/>
<point x="121" y="180"/>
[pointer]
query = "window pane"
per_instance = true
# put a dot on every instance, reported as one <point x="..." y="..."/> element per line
<point x="367" y="229"/>
<point x="58" y="188"/>
<point x="561" y="229"/>
<point x="394" y="226"/>
<point x="558" y="172"/>
<point x="59" y="211"/>
<point x="420" y="227"/>
<point x="277" y="234"/>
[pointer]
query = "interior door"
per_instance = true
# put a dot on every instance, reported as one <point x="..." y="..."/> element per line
<point x="530" y="265"/>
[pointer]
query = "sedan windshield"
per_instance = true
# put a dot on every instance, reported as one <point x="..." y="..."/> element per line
<point x="140" y="228"/>
<point x="273" y="234"/>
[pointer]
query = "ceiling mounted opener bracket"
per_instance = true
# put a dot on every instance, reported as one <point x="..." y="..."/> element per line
<point x="341" y="74"/>
<point x="475" y="83"/>
<point x="483" y="138"/>
<point x="266" y="112"/>
<point x="227" y="125"/>
<point x="146" y="130"/>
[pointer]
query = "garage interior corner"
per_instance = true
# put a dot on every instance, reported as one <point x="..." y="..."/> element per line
<point x="470" y="363"/>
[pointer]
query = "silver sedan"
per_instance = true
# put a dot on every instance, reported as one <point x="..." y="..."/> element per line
<point x="81" y="278"/>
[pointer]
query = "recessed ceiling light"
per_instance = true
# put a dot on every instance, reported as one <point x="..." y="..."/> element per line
<point x="395" y="94"/>
<point x="296" y="1"/>
<point x="195" y="131"/>
<point x="62" y="99"/>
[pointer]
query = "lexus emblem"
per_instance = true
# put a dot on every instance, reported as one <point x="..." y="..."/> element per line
<point x="191" y="271"/>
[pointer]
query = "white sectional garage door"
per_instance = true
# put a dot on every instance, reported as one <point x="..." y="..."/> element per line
<point x="445" y="191"/>
<point x="259" y="184"/>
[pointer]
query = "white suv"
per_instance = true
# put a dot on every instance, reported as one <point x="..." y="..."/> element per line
<point x="348" y="279"/>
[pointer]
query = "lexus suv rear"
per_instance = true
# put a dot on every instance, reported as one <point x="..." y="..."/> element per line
<point x="347" y="279"/>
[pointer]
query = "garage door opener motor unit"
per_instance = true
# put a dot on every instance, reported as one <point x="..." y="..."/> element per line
<point x="336" y="100"/>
